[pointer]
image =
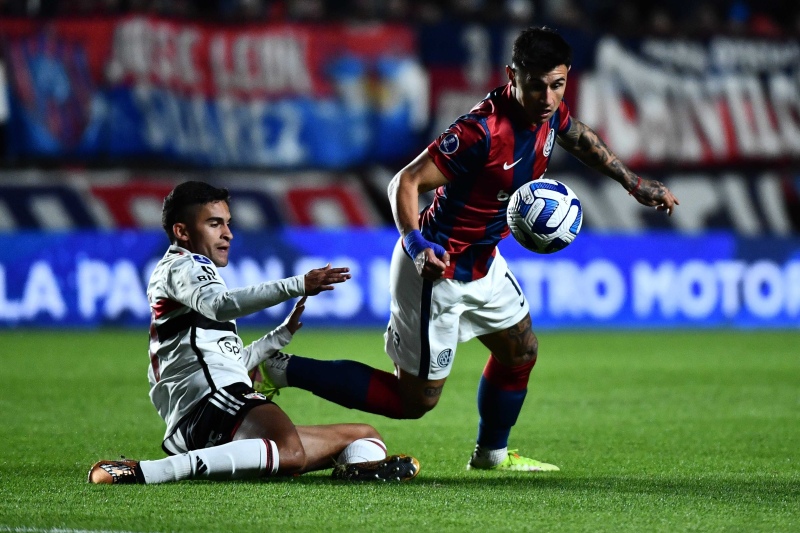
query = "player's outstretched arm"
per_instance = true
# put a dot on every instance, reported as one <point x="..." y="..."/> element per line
<point x="323" y="279"/>
<point x="583" y="142"/>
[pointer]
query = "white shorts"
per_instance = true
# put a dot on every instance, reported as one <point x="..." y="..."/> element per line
<point x="429" y="318"/>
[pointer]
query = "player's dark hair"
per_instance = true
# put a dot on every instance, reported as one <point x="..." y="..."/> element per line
<point x="184" y="200"/>
<point x="540" y="49"/>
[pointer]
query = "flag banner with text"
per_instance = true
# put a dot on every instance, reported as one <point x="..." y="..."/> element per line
<point x="269" y="95"/>
<point x="278" y="95"/>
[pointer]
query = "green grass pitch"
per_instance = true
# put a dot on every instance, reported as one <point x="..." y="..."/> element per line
<point x="654" y="431"/>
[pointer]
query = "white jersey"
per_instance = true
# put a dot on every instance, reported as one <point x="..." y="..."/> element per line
<point x="194" y="347"/>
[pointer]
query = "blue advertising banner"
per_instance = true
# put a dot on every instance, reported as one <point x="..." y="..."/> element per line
<point x="655" y="280"/>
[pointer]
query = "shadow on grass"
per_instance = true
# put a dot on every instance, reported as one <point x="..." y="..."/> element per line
<point x="722" y="488"/>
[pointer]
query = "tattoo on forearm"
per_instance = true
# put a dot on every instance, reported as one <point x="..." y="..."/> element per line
<point x="582" y="142"/>
<point x="432" y="392"/>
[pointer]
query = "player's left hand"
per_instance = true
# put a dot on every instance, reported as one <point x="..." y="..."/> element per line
<point x="653" y="193"/>
<point x="322" y="279"/>
<point x="293" y="321"/>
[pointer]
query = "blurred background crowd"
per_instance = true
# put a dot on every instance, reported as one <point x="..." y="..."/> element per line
<point x="769" y="18"/>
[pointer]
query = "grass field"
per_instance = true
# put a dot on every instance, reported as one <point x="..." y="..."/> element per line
<point x="667" y="431"/>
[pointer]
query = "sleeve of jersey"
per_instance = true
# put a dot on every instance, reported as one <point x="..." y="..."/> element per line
<point x="200" y="287"/>
<point x="267" y="345"/>
<point x="564" y="118"/>
<point x="461" y="150"/>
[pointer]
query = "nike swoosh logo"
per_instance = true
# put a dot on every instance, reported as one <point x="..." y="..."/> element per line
<point x="506" y="166"/>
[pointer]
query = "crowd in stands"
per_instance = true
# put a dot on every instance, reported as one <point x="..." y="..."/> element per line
<point x="762" y="18"/>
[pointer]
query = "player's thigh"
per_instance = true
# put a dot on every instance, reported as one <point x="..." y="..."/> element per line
<point x="268" y="421"/>
<point x="503" y="322"/>
<point x="515" y="345"/>
<point x="422" y="334"/>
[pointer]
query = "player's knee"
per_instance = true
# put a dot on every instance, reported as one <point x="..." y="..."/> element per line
<point x="292" y="460"/>
<point x="531" y="350"/>
<point x="365" y="431"/>
<point x="420" y="405"/>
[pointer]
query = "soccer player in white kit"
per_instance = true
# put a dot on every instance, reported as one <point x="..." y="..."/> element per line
<point x="218" y="426"/>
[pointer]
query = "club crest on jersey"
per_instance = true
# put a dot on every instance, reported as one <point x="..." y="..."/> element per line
<point x="548" y="144"/>
<point x="201" y="259"/>
<point x="444" y="358"/>
<point x="449" y="144"/>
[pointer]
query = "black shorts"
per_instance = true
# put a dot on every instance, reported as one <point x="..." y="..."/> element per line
<point x="214" y="420"/>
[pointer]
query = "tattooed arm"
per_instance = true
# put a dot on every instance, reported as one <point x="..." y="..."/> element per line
<point x="582" y="142"/>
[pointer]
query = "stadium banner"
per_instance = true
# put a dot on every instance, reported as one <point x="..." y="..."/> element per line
<point x="654" y="280"/>
<point x="726" y="100"/>
<point x="657" y="101"/>
<point x="746" y="202"/>
<point x="268" y="95"/>
<point x="278" y="95"/>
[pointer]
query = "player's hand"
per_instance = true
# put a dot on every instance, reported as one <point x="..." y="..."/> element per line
<point x="293" y="320"/>
<point x="322" y="279"/>
<point x="430" y="258"/>
<point x="653" y="193"/>
<point x="429" y="266"/>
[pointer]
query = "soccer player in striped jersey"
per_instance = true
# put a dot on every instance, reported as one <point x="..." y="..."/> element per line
<point x="218" y="426"/>
<point x="449" y="283"/>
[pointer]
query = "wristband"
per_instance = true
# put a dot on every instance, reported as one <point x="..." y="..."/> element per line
<point x="416" y="244"/>
<point x="636" y="187"/>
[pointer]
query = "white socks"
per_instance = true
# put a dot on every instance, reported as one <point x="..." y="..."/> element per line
<point x="236" y="460"/>
<point x="362" y="451"/>
<point x="484" y="457"/>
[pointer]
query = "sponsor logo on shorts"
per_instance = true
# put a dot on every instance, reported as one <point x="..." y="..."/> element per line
<point x="255" y="396"/>
<point x="444" y="358"/>
<point x="203" y="260"/>
<point x="449" y="144"/>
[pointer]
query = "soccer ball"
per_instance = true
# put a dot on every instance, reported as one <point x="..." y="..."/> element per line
<point x="544" y="216"/>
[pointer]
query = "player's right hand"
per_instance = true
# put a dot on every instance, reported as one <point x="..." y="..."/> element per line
<point x="429" y="266"/>
<point x="322" y="279"/>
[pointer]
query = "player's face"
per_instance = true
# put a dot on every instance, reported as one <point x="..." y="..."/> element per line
<point x="210" y="233"/>
<point x="539" y="93"/>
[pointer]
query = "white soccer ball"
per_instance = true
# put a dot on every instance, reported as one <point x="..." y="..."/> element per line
<point x="362" y="451"/>
<point x="544" y="216"/>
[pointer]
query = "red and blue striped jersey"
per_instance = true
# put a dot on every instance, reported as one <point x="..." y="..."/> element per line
<point x="486" y="155"/>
